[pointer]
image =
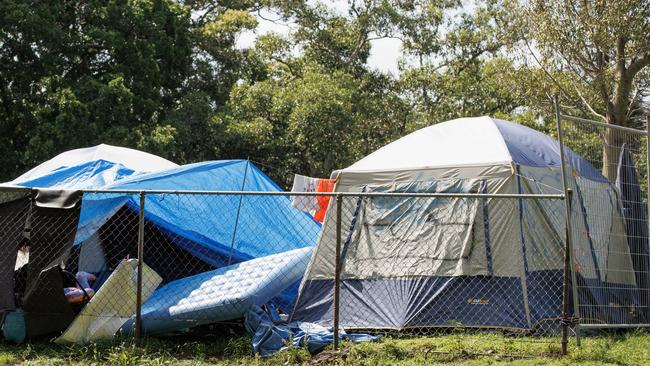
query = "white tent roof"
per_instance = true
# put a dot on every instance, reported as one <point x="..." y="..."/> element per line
<point x="464" y="141"/>
<point x="133" y="159"/>
<point x="479" y="141"/>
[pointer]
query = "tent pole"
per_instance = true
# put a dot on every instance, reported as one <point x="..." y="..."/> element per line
<point x="524" y="277"/>
<point x="337" y="271"/>
<point x="241" y="198"/>
<point x="138" y="301"/>
<point x="567" y="209"/>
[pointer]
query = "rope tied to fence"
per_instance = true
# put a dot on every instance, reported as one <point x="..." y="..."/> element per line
<point x="570" y="322"/>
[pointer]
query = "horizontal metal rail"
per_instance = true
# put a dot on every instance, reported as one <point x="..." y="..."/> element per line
<point x="334" y="194"/>
<point x="602" y="124"/>
<point x="330" y="194"/>
<point x="611" y="326"/>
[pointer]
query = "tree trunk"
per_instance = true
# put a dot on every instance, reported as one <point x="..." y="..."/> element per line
<point x="617" y="110"/>
<point x="613" y="141"/>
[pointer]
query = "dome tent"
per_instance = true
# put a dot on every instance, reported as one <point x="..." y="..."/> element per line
<point x="91" y="168"/>
<point x="488" y="262"/>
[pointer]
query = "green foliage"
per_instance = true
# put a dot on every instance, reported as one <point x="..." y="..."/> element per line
<point x="80" y="73"/>
<point x="167" y="77"/>
<point x="298" y="124"/>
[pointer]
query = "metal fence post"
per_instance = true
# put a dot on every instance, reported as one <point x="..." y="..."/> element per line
<point x="567" y="207"/>
<point x="645" y="297"/>
<point x="337" y="271"/>
<point x="647" y="167"/>
<point x="565" y="285"/>
<point x="138" y="298"/>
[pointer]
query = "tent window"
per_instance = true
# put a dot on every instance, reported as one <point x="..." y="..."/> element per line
<point x="421" y="234"/>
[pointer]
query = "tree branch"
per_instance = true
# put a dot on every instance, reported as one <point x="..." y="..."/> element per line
<point x="588" y="105"/>
<point x="638" y="64"/>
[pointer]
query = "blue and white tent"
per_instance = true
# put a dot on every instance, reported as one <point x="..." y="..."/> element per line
<point x="426" y="262"/>
<point x="90" y="168"/>
<point x="216" y="229"/>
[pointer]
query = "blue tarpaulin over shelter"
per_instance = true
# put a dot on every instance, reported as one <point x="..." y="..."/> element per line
<point x="189" y="237"/>
<point x="217" y="229"/>
<point x="90" y="175"/>
<point x="91" y="168"/>
<point x="211" y="227"/>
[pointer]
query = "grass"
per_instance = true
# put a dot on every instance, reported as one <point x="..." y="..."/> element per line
<point x="454" y="349"/>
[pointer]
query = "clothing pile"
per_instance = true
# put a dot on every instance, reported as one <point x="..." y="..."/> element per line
<point x="314" y="205"/>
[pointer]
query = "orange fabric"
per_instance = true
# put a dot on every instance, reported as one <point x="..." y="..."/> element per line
<point x="324" y="185"/>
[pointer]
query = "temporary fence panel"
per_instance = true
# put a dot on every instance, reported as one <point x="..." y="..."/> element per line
<point x="611" y="257"/>
<point x="159" y="262"/>
<point x="439" y="264"/>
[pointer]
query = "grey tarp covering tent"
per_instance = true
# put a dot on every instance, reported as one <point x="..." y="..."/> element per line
<point x="48" y="219"/>
<point x="636" y="224"/>
<point x="409" y="262"/>
<point x="53" y="226"/>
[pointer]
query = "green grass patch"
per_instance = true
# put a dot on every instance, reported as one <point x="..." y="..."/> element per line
<point x="632" y="348"/>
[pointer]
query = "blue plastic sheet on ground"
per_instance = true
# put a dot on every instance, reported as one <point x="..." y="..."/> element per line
<point x="270" y="337"/>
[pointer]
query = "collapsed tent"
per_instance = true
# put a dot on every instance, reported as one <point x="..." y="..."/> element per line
<point x="184" y="234"/>
<point x="484" y="262"/>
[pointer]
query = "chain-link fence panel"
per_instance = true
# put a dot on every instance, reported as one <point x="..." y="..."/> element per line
<point x="105" y="265"/>
<point x="14" y="211"/>
<point x="440" y="265"/>
<point x="59" y="249"/>
<point x="155" y="263"/>
<point x="220" y="254"/>
<point x="610" y="242"/>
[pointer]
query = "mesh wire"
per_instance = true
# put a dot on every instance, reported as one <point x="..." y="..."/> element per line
<point x="610" y="249"/>
<point x="450" y="266"/>
<point x="447" y="266"/>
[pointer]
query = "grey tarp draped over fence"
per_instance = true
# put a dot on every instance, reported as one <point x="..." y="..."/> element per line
<point x="54" y="220"/>
<point x="14" y="207"/>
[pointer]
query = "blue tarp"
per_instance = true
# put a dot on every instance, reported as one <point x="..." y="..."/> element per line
<point x="212" y="227"/>
<point x="271" y="335"/>
<point x="218" y="229"/>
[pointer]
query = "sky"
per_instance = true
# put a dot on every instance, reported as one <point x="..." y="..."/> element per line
<point x="384" y="53"/>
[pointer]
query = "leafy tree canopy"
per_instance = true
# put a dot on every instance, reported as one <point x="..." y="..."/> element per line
<point x="169" y="77"/>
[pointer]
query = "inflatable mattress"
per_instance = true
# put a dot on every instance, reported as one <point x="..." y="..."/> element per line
<point x="223" y="294"/>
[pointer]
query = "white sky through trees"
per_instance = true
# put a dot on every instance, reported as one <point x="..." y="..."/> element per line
<point x="384" y="53"/>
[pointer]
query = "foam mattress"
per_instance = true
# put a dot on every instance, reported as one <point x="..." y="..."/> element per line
<point x="113" y="304"/>
<point x="223" y="294"/>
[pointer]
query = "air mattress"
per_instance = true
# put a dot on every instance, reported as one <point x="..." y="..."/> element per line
<point x="223" y="294"/>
